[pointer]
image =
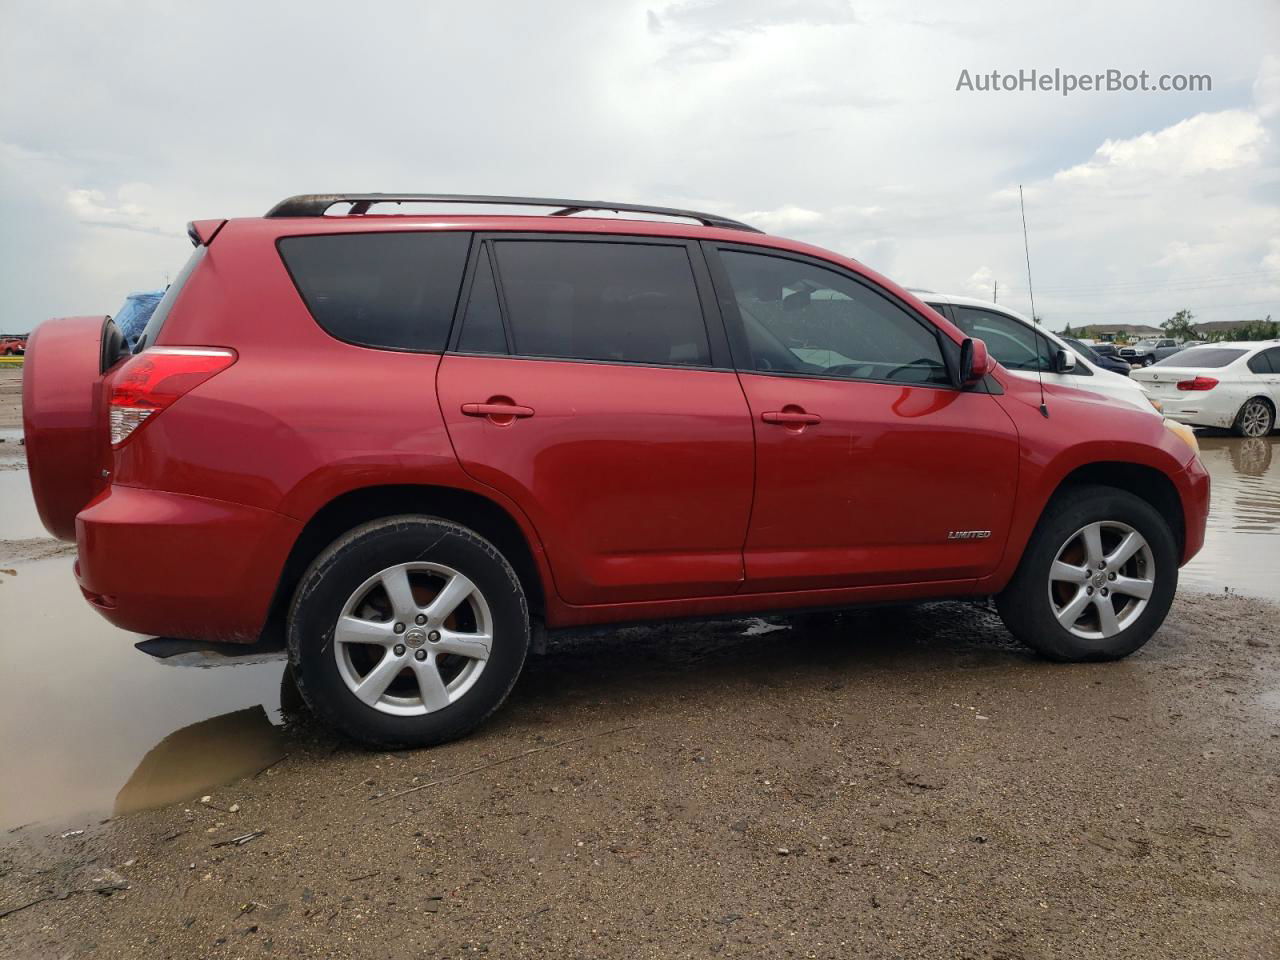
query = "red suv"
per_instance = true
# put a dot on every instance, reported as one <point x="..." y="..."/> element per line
<point x="409" y="444"/>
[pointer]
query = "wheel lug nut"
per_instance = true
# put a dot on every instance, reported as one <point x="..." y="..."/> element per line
<point x="398" y="628"/>
<point x="434" y="636"/>
<point x="420" y="619"/>
<point x="421" y="655"/>
<point x="1105" y="591"/>
<point x="399" y="649"/>
<point x="1089" y="590"/>
<point x="1102" y="564"/>
<point x="1111" y="576"/>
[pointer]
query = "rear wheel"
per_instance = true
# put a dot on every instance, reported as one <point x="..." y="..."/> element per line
<point x="1096" y="580"/>
<point x="1255" y="419"/>
<point x="408" y="631"/>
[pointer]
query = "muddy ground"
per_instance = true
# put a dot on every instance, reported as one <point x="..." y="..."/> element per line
<point x="887" y="783"/>
<point x="897" y="783"/>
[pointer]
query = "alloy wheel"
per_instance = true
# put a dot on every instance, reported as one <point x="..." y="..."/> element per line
<point x="1101" y="580"/>
<point x="1255" y="419"/>
<point x="413" y="638"/>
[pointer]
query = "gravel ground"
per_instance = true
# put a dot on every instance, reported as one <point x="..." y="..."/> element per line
<point x="890" y="783"/>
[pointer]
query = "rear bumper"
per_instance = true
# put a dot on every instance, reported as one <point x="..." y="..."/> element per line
<point x="173" y="565"/>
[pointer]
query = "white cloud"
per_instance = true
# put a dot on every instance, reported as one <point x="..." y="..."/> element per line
<point x="1200" y="144"/>
<point x="788" y="217"/>
<point x="127" y="212"/>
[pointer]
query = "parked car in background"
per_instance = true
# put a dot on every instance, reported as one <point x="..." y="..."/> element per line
<point x="1146" y="352"/>
<point x="13" y="346"/>
<point x="411" y="443"/>
<point x="1111" y="363"/>
<point x="1028" y="350"/>
<point x="135" y="312"/>
<point x="1230" y="385"/>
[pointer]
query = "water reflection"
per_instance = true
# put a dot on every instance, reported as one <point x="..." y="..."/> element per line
<point x="200" y="756"/>
<point x="90" y="724"/>
<point x="1242" y="546"/>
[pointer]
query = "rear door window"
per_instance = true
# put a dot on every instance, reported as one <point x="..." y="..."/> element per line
<point x="602" y="300"/>
<point x="396" y="291"/>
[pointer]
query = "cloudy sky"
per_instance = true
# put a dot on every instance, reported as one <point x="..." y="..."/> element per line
<point x="830" y="121"/>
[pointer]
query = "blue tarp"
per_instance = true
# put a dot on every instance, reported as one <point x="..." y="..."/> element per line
<point x="137" y="310"/>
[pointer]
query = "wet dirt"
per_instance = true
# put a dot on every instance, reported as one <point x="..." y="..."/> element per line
<point x="885" y="783"/>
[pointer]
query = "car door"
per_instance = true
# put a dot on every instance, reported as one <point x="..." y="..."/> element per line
<point x="584" y="383"/>
<point x="870" y="467"/>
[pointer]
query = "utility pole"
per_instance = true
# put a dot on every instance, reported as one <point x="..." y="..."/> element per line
<point x="995" y="290"/>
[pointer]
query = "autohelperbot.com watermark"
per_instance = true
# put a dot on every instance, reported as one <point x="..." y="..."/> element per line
<point x="1065" y="82"/>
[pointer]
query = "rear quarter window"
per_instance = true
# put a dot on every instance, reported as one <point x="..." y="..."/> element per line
<point x="152" y="330"/>
<point x="396" y="291"/>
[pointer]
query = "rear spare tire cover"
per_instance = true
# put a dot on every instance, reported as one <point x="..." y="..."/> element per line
<point x="64" y="418"/>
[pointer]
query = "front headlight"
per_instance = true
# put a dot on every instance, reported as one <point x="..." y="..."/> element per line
<point x="1185" y="434"/>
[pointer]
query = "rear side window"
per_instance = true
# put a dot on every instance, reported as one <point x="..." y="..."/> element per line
<point x="391" y="290"/>
<point x="1201" y="357"/>
<point x="1268" y="361"/>
<point x="152" y="329"/>
<point x="616" y="302"/>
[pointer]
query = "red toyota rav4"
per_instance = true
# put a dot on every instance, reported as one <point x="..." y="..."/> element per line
<point x="410" y="443"/>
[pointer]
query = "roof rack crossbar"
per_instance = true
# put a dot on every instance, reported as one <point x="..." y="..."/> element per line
<point x="316" y="204"/>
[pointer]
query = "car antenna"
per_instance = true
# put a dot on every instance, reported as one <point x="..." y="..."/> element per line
<point x="1026" y="246"/>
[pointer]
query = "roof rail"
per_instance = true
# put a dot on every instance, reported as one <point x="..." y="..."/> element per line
<point x="315" y="205"/>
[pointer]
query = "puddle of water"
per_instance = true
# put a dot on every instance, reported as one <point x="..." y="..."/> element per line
<point x="92" y="725"/>
<point x="1242" y="545"/>
<point x="18" y="517"/>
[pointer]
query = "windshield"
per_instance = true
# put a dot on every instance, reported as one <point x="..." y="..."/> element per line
<point x="1202" y="357"/>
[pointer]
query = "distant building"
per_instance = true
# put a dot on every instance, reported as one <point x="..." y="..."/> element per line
<point x="1116" y="331"/>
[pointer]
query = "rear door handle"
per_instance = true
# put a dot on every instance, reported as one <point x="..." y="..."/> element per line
<point x="790" y="418"/>
<point x="503" y="410"/>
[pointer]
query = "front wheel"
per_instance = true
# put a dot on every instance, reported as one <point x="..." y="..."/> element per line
<point x="1097" y="578"/>
<point x="1255" y="419"/>
<point x="408" y="631"/>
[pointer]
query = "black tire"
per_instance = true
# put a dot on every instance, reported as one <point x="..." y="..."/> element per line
<point x="349" y="562"/>
<point x="1148" y="361"/>
<point x="1025" y="604"/>
<point x="1256" y="418"/>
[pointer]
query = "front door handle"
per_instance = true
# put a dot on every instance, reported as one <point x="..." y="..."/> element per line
<point x="791" y="417"/>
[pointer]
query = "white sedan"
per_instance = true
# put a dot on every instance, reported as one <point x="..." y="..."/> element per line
<point x="1230" y="385"/>
<point x="1026" y="349"/>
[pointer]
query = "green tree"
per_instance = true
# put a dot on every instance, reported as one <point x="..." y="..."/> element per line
<point x="1068" y="332"/>
<point x="1179" y="326"/>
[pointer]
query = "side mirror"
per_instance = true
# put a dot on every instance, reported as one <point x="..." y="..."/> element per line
<point x="975" y="362"/>
<point x="1064" y="361"/>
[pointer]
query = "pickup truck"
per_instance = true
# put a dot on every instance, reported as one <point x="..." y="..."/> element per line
<point x="1146" y="352"/>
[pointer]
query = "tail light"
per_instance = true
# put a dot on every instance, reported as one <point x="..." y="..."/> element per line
<point x="157" y="377"/>
<point x="1199" y="383"/>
